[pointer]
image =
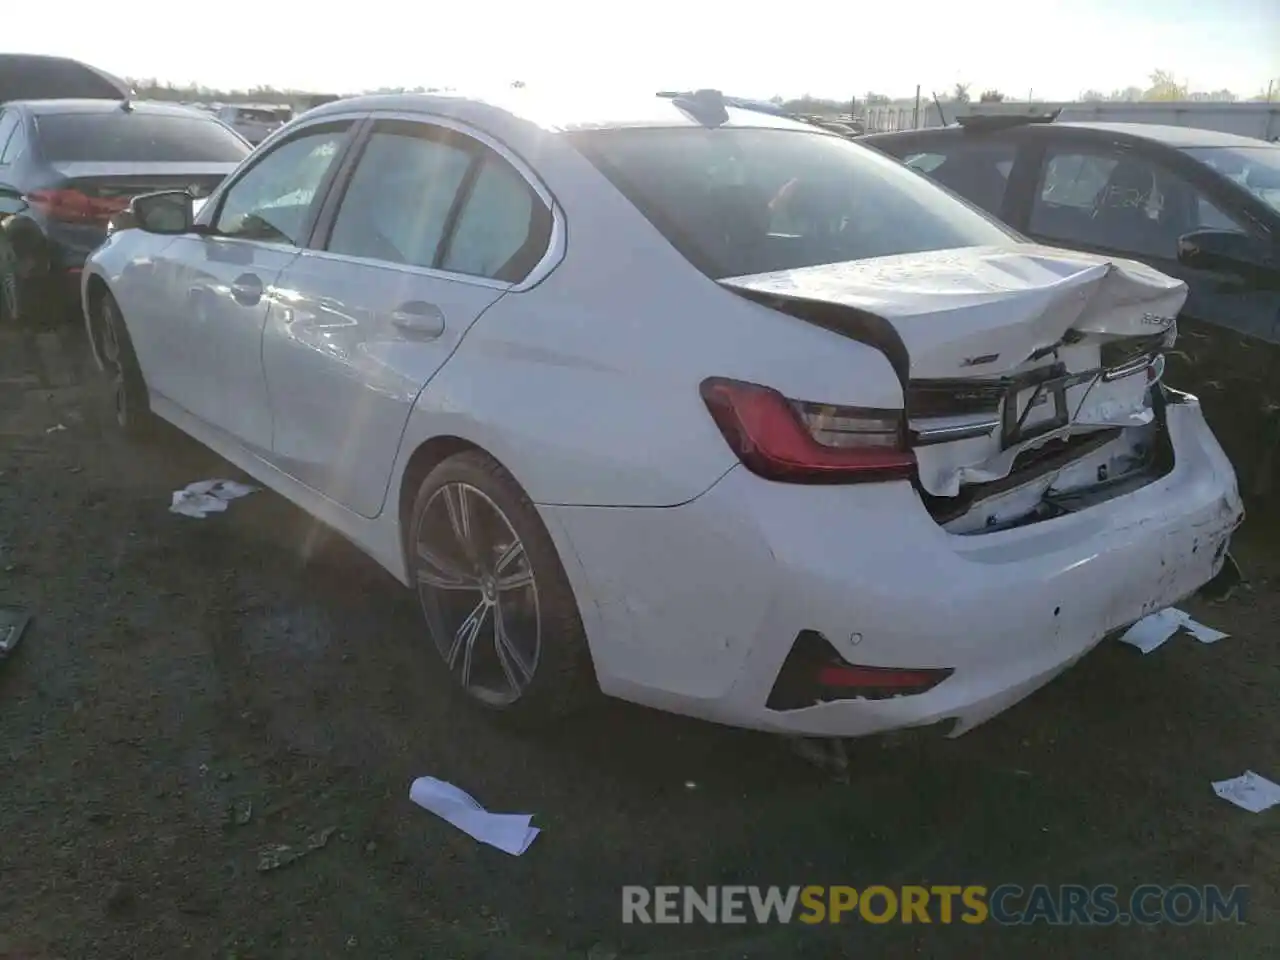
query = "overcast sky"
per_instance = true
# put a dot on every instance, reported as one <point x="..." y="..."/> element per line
<point x="1055" y="47"/>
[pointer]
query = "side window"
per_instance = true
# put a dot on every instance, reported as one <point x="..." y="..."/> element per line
<point x="978" y="171"/>
<point x="397" y="205"/>
<point x="1117" y="200"/>
<point x="271" y="201"/>
<point x="503" y="229"/>
<point x="8" y="127"/>
<point x="11" y="152"/>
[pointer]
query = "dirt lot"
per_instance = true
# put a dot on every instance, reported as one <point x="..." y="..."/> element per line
<point x="183" y="675"/>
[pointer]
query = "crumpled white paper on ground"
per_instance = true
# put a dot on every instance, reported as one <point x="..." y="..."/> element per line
<point x="1249" y="791"/>
<point x="509" y="832"/>
<point x="204" y="497"/>
<point x="1150" y="632"/>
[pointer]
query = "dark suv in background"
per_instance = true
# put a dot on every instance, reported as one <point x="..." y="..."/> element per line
<point x="1198" y="205"/>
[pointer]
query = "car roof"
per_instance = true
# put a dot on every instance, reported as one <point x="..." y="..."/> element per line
<point x="44" y="108"/>
<point x="1166" y="134"/>
<point x="553" y="112"/>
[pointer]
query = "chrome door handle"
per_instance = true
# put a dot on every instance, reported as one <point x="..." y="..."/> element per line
<point x="424" y="321"/>
<point x="246" y="289"/>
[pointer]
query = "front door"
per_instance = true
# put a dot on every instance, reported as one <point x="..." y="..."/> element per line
<point x="207" y="356"/>
<point x="431" y="228"/>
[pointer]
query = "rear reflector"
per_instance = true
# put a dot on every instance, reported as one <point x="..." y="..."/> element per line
<point x="796" y="441"/>
<point x="853" y="677"/>
<point x="815" y="673"/>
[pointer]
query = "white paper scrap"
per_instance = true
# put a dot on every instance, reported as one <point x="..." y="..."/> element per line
<point x="1201" y="632"/>
<point x="1249" y="791"/>
<point x="509" y="832"/>
<point x="204" y="497"/>
<point x="1150" y="632"/>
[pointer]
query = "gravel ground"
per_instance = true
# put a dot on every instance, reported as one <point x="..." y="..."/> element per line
<point x="192" y="692"/>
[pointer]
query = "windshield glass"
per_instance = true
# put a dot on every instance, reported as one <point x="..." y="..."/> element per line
<point x="737" y="202"/>
<point x="120" y="137"/>
<point x="1257" y="169"/>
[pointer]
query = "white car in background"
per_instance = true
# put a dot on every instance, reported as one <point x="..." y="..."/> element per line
<point x="718" y="411"/>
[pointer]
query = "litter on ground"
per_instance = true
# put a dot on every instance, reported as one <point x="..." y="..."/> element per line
<point x="1152" y="631"/>
<point x="12" y="625"/>
<point x="204" y="497"/>
<point x="509" y="832"/>
<point x="1249" y="791"/>
<point x="282" y="854"/>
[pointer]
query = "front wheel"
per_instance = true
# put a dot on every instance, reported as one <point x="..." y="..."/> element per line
<point x="129" y="389"/>
<point x="498" y="606"/>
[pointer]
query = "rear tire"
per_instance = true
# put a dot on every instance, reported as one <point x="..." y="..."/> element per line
<point x="129" y="389"/>
<point x="496" y="600"/>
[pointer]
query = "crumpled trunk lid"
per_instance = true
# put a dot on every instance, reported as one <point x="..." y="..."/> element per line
<point x="1000" y="349"/>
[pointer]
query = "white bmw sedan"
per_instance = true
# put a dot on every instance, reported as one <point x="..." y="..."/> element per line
<point x="703" y="408"/>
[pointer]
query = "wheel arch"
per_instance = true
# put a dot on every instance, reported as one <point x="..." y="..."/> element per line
<point x="95" y="289"/>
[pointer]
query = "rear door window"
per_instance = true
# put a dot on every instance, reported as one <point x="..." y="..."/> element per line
<point x="397" y="206"/>
<point x="1114" y="199"/>
<point x="119" y="136"/>
<point x="976" y="170"/>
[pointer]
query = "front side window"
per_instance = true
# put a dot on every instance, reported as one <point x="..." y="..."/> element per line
<point x="1257" y="169"/>
<point x="737" y="201"/>
<point x="271" y="201"/>
<point x="397" y="205"/>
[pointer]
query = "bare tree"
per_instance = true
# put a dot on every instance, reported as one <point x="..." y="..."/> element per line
<point x="961" y="94"/>
<point x="991" y="96"/>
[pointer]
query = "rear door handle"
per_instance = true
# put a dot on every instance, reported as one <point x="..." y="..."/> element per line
<point x="246" y="289"/>
<point x="424" y="321"/>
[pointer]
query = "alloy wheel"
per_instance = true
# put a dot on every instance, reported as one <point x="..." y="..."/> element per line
<point x="478" y="593"/>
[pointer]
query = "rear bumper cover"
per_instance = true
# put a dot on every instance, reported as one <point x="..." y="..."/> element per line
<point x="693" y="609"/>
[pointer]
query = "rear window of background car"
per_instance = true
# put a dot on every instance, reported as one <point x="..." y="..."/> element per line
<point x="737" y="202"/>
<point x="122" y="137"/>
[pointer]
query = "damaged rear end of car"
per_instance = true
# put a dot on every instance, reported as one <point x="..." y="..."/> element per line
<point x="1031" y="377"/>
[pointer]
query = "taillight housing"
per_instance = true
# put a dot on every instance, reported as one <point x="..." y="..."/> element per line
<point x="797" y="441"/>
<point x="72" y="206"/>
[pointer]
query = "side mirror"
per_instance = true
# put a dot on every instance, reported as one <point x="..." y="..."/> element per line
<point x="170" y="211"/>
<point x="1228" y="252"/>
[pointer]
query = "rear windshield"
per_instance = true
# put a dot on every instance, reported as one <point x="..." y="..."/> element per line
<point x="125" y="137"/>
<point x="737" y="202"/>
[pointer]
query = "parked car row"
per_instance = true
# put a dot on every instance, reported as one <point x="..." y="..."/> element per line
<point x="787" y="437"/>
<point x="66" y="166"/>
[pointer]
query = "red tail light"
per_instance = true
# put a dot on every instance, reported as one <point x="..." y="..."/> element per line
<point x="72" y="206"/>
<point x="800" y="442"/>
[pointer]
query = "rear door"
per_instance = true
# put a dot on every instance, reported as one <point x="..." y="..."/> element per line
<point x="202" y="334"/>
<point x="431" y="226"/>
